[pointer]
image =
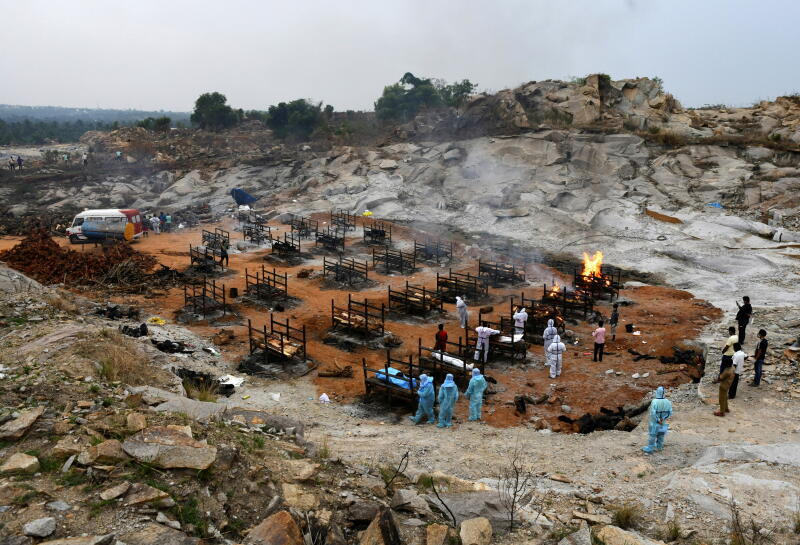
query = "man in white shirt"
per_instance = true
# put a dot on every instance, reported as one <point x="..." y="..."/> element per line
<point x="520" y="317"/>
<point x="738" y="368"/>
<point x="482" y="347"/>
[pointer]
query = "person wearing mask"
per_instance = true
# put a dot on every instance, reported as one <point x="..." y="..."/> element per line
<point x="85" y="160"/>
<point x="163" y="218"/>
<point x="520" y="319"/>
<point x="168" y="224"/>
<point x="614" y="320"/>
<point x="728" y="350"/>
<point x="477" y="385"/>
<point x="555" y="354"/>
<point x="743" y="316"/>
<point x="441" y="339"/>
<point x="223" y="256"/>
<point x="426" y="399"/>
<point x="660" y="411"/>
<point x="482" y="345"/>
<point x="759" y="356"/>
<point x="463" y="313"/>
<point x="599" y="336"/>
<point x="725" y="381"/>
<point x="448" y="395"/>
<point x="738" y="368"/>
<point x="549" y="333"/>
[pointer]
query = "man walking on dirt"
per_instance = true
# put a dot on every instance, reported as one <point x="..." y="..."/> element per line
<point x="441" y="339"/>
<point x="19" y="162"/>
<point x="728" y="350"/>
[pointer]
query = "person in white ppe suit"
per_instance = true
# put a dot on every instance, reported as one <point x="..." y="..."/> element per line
<point x="520" y="318"/>
<point x="463" y="313"/>
<point x="555" y="353"/>
<point x="482" y="346"/>
<point x="549" y="332"/>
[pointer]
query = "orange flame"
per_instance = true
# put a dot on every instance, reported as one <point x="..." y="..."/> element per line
<point x="592" y="265"/>
<point x="555" y="291"/>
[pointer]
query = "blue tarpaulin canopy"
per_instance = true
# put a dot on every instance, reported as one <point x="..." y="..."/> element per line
<point x="242" y="197"/>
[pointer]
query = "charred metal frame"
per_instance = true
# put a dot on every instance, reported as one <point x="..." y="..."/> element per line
<point x="394" y="260"/>
<point x="433" y="250"/>
<point x="373" y="384"/>
<point x="219" y="239"/>
<point x="343" y="220"/>
<point x="303" y="226"/>
<point x="475" y="288"/>
<point x="205" y="298"/>
<point x="346" y="269"/>
<point x="280" y="342"/>
<point x="507" y="329"/>
<point x="257" y="233"/>
<point x="607" y="283"/>
<point x="266" y="285"/>
<point x="204" y="258"/>
<point x="427" y="360"/>
<point x="365" y="317"/>
<point x="576" y="303"/>
<point x="377" y="232"/>
<point x="501" y="273"/>
<point x="414" y="300"/>
<point x="331" y="239"/>
<point x="290" y="245"/>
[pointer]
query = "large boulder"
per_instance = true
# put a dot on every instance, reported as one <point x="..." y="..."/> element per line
<point x="477" y="531"/>
<point x="16" y="428"/>
<point x="107" y="539"/>
<point x="107" y="452"/>
<point x="277" y="529"/>
<point x="469" y="505"/>
<point x="409" y="500"/>
<point x="611" y="535"/>
<point x="581" y="537"/>
<point x="40" y="527"/>
<point x="382" y="530"/>
<point x="169" y="448"/>
<point x="142" y="493"/>
<point x="20" y="463"/>
<point x="156" y="534"/>
<point x="439" y="534"/>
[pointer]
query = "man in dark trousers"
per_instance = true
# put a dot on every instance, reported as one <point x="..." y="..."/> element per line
<point x="761" y="352"/>
<point x="441" y="339"/>
<point x="223" y="256"/>
<point x="743" y="316"/>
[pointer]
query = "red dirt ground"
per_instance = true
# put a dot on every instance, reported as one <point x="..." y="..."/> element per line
<point x="665" y="317"/>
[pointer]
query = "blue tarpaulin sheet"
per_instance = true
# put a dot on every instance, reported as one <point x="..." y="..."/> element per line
<point x="242" y="197"/>
<point x="395" y="377"/>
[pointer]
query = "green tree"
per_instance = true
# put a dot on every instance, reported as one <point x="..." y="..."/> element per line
<point x="296" y="119"/>
<point x="403" y="100"/>
<point x="455" y="94"/>
<point x="160" y="124"/>
<point x="211" y="111"/>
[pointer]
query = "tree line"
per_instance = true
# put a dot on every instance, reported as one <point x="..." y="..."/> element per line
<point x="298" y="120"/>
<point x="302" y="118"/>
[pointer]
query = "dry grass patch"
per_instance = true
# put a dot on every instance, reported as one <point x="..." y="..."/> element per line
<point x="119" y="359"/>
<point x="61" y="301"/>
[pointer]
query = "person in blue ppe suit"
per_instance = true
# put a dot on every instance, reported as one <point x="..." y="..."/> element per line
<point x="426" y="399"/>
<point x="477" y="385"/>
<point x="448" y="394"/>
<point x="660" y="411"/>
<point x="549" y="332"/>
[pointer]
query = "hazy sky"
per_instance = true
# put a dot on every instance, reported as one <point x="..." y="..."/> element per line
<point x="162" y="54"/>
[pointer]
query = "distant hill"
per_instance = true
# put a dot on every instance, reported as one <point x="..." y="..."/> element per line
<point x="10" y="114"/>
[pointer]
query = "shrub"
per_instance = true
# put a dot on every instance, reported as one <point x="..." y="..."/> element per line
<point x="626" y="516"/>
<point x="118" y="358"/>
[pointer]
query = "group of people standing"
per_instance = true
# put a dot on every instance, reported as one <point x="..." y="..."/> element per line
<point x="734" y="357"/>
<point x="18" y="162"/>
<point x="448" y="395"/>
<point x="161" y="222"/>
